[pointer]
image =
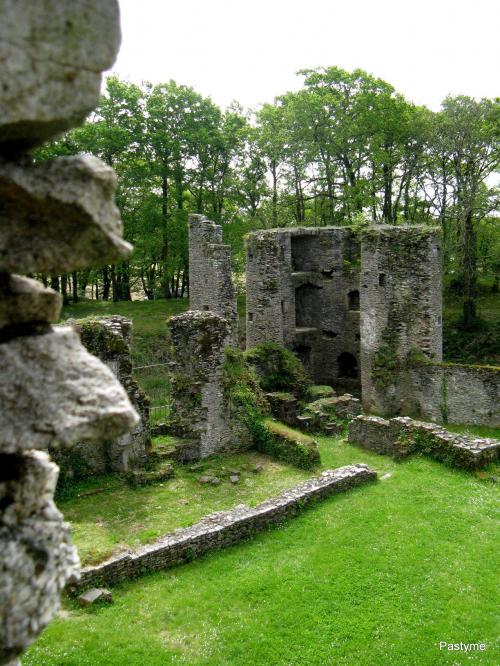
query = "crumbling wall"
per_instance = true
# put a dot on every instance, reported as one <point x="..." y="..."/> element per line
<point x="210" y="280"/>
<point x="55" y="216"/>
<point x="401" y="305"/>
<point x="403" y="436"/>
<point x="108" y="338"/>
<point x="450" y="393"/>
<point x="300" y="288"/>
<point x="201" y="409"/>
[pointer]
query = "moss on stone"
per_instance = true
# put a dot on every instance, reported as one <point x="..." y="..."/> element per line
<point x="278" y="369"/>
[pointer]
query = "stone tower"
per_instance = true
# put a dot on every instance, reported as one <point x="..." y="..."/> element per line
<point x="401" y="308"/>
<point x="210" y="280"/>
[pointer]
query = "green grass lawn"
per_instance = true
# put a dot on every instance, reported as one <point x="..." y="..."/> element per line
<point x="375" y="576"/>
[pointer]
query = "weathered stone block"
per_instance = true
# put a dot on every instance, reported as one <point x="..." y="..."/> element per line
<point x="36" y="552"/>
<point x="53" y="392"/>
<point x="70" y="199"/>
<point x="25" y="301"/>
<point x="94" y="595"/>
<point x="52" y="54"/>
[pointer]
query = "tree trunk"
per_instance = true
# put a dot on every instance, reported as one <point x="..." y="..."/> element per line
<point x="54" y="283"/>
<point x="164" y="249"/>
<point x="275" y="194"/>
<point x="64" y="288"/>
<point x="74" y="285"/>
<point x="106" y="283"/>
<point x="470" y="272"/>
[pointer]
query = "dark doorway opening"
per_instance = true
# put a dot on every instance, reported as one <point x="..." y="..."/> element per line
<point x="304" y="354"/>
<point x="348" y="365"/>
<point x="353" y="300"/>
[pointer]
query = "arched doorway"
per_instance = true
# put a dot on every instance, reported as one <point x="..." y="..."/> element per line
<point x="348" y="365"/>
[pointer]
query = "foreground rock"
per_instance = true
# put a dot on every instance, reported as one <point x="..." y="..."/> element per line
<point x="52" y="55"/>
<point x="69" y="199"/>
<point x="53" y="392"/>
<point x="36" y="552"/>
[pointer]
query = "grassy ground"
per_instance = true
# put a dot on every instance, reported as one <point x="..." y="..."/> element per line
<point x="119" y="517"/>
<point x="376" y="576"/>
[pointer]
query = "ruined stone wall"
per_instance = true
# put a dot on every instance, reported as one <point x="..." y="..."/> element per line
<point x="403" y="436"/>
<point x="303" y="292"/>
<point x="55" y="216"/>
<point x="199" y="405"/>
<point x="225" y="528"/>
<point x="401" y="306"/>
<point x="451" y="393"/>
<point x="108" y="338"/>
<point x="210" y="281"/>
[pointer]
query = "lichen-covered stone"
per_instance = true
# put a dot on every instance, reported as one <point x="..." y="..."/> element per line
<point x="52" y="54"/>
<point x="201" y="409"/>
<point x="37" y="557"/>
<point x="53" y="392"/>
<point x="26" y="301"/>
<point x="69" y="200"/>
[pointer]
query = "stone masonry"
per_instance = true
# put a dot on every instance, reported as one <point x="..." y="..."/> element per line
<point x="402" y="436"/>
<point x="363" y="309"/>
<point x="108" y="338"/>
<point x="401" y="308"/>
<point x="303" y="292"/>
<point x="224" y="528"/>
<point x="211" y="286"/>
<point x="200" y="408"/>
<point x="55" y="216"/>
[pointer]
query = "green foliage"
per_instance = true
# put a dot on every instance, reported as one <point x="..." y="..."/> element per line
<point x="278" y="369"/>
<point x="320" y="391"/>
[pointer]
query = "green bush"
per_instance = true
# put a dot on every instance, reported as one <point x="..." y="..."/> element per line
<point x="278" y="369"/>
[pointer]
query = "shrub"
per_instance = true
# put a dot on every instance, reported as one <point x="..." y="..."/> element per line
<point x="278" y="369"/>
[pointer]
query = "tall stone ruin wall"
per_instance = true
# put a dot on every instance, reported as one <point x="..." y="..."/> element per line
<point x="55" y="216"/>
<point x="210" y="280"/>
<point x="201" y="410"/>
<point x="302" y="286"/>
<point x="401" y="308"/>
<point x="108" y="338"/>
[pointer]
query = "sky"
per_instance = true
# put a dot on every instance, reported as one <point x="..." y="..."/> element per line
<point x="250" y="50"/>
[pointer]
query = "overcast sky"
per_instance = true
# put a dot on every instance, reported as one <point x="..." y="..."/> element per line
<point x="249" y="50"/>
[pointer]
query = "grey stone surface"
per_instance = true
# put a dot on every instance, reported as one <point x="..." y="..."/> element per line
<point x="95" y="595"/>
<point x="52" y="54"/>
<point x="211" y="286"/>
<point x="108" y="338"/>
<point x="223" y="529"/>
<point x="25" y="301"/>
<point x="401" y="308"/>
<point x="53" y="392"/>
<point x="200" y="409"/>
<point x="450" y="393"/>
<point x="402" y="436"/>
<point x="300" y="288"/>
<point x="36" y="552"/>
<point x="55" y="217"/>
<point x="69" y="199"/>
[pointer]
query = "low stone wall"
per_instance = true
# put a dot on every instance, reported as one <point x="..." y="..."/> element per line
<point x="453" y="393"/>
<point x="402" y="436"/>
<point x="223" y="529"/>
